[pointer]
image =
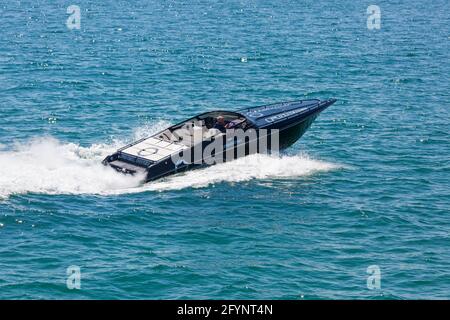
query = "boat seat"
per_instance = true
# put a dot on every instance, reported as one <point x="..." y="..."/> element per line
<point x="208" y="134"/>
<point x="190" y="136"/>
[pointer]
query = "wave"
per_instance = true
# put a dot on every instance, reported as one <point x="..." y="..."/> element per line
<point x="46" y="165"/>
<point x="257" y="166"/>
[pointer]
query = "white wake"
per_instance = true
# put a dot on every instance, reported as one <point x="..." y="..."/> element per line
<point x="256" y="166"/>
<point x="49" y="166"/>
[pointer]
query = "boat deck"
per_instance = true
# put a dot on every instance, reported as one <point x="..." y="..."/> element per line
<point x="153" y="149"/>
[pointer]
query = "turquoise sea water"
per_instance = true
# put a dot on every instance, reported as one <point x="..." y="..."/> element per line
<point x="369" y="183"/>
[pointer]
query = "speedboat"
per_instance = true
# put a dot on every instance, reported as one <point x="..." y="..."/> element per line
<point x="217" y="136"/>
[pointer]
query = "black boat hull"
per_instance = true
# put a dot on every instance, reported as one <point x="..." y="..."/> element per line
<point x="278" y="126"/>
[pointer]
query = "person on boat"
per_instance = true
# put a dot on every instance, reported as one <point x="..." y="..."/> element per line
<point x="221" y="124"/>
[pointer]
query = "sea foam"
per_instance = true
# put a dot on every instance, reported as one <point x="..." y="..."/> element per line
<point x="49" y="166"/>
